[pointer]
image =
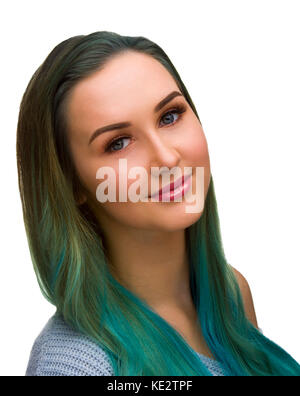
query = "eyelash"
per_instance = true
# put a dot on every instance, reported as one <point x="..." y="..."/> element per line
<point x="180" y="109"/>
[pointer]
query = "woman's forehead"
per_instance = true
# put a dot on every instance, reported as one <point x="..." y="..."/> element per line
<point x="127" y="79"/>
<point x="127" y="84"/>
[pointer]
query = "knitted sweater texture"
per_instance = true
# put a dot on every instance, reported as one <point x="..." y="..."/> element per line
<point x="59" y="350"/>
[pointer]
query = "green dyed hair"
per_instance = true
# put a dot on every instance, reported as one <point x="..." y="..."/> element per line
<point x="69" y="253"/>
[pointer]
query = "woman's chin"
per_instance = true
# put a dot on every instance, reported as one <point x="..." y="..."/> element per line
<point x="173" y="217"/>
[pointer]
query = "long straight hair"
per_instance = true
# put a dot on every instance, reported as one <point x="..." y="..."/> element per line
<point x="69" y="253"/>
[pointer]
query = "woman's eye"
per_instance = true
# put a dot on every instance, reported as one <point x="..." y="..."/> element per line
<point x="117" y="143"/>
<point x="170" y="116"/>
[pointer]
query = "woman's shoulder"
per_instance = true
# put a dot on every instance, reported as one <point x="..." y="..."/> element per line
<point x="59" y="350"/>
<point x="247" y="297"/>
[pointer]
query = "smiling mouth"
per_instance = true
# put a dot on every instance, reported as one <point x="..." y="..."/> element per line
<point x="174" y="189"/>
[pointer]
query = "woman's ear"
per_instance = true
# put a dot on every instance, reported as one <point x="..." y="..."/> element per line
<point x="79" y="195"/>
<point x="81" y="199"/>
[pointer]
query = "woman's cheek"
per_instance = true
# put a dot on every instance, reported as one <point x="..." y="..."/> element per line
<point x="195" y="147"/>
<point x="196" y="155"/>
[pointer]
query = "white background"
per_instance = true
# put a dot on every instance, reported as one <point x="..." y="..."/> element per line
<point x="240" y="63"/>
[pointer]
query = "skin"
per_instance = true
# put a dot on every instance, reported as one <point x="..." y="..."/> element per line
<point x="145" y="240"/>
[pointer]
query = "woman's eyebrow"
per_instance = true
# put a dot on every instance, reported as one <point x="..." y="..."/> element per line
<point x="126" y="124"/>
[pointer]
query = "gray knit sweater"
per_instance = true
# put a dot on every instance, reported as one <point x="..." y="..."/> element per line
<point x="60" y="351"/>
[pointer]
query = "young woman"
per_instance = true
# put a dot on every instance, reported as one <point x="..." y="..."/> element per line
<point x="141" y="287"/>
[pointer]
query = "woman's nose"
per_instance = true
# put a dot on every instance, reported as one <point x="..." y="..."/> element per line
<point x="162" y="153"/>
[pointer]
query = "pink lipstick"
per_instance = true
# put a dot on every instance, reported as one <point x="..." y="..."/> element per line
<point x="174" y="190"/>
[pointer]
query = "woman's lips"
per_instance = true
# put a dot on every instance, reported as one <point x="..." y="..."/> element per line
<point x="174" y="190"/>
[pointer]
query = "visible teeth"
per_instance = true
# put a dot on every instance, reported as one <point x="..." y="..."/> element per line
<point x="178" y="189"/>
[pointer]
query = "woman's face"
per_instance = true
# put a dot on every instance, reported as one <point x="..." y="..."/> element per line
<point x="128" y="89"/>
